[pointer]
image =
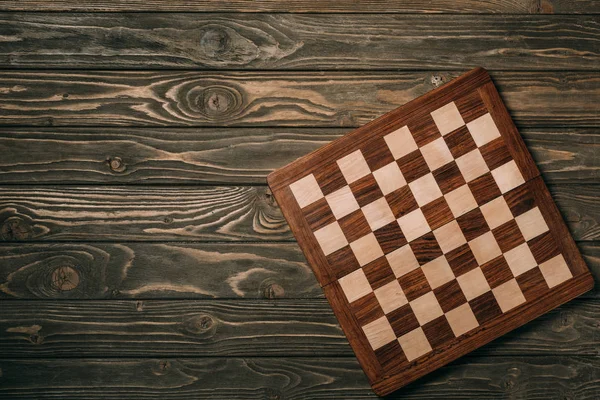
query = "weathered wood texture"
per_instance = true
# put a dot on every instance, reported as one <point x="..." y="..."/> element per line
<point x="288" y="41"/>
<point x="312" y="6"/>
<point x="208" y="213"/>
<point x="226" y="155"/>
<point x="240" y="328"/>
<point x="349" y="99"/>
<point x="167" y="271"/>
<point x="535" y="378"/>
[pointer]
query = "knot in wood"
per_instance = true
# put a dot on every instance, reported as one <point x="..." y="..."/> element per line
<point x="15" y="228"/>
<point x="200" y="325"/>
<point x="437" y="80"/>
<point x="218" y="102"/>
<point x="116" y="164"/>
<point x="36" y="339"/>
<point x="273" y="291"/>
<point x="215" y="42"/>
<point x="162" y="367"/>
<point x="65" y="278"/>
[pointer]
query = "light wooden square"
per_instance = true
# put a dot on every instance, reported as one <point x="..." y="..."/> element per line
<point x="462" y="319"/>
<point x="496" y="212"/>
<point x="342" y="202"/>
<point x="472" y="165"/>
<point x="353" y="166"/>
<point x="461" y="201"/>
<point x="378" y="213"/>
<point x="400" y="142"/>
<point x="425" y="189"/>
<point x="483" y="130"/>
<point x="436" y="154"/>
<point x="355" y="285"/>
<point x="306" y="190"/>
<point x="389" y="178"/>
<point x="379" y="333"/>
<point x="520" y="259"/>
<point x="402" y="261"/>
<point x="438" y="272"/>
<point x="555" y="271"/>
<point x="473" y="283"/>
<point x="447" y="118"/>
<point x="331" y="238"/>
<point x="413" y="225"/>
<point x="531" y="223"/>
<point x="414" y="344"/>
<point x="508" y="176"/>
<point x="449" y="236"/>
<point x="366" y="249"/>
<point x="485" y="248"/>
<point x="508" y="295"/>
<point x="390" y="296"/>
<point x="426" y="308"/>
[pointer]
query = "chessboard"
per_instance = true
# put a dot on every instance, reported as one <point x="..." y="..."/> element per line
<point x="430" y="231"/>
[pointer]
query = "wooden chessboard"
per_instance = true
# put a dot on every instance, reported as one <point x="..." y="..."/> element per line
<point x="430" y="231"/>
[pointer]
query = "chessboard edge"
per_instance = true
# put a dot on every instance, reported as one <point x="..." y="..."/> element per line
<point x="278" y="179"/>
<point x="515" y="319"/>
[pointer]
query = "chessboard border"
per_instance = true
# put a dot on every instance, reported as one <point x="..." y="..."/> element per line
<point x="384" y="382"/>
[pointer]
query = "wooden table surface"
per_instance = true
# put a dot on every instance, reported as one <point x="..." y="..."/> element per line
<point x="143" y="256"/>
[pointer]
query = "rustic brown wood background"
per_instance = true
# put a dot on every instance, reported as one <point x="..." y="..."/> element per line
<point x="141" y="253"/>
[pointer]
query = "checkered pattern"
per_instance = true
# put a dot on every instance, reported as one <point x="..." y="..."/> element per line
<point x="430" y="232"/>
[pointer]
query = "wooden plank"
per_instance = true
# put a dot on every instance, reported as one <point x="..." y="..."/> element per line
<point x="312" y="6"/>
<point x="167" y="271"/>
<point x="203" y="213"/>
<point x="226" y="155"/>
<point x="348" y="99"/>
<point x="534" y="378"/>
<point x="298" y="42"/>
<point x="155" y="270"/>
<point x="181" y="328"/>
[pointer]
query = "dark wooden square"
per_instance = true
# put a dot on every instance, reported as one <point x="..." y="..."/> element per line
<point x="426" y="248"/>
<point x="438" y="332"/>
<point x="330" y="178"/>
<point x="390" y="355"/>
<point x="414" y="284"/>
<point x="318" y="214"/>
<point x="401" y="201"/>
<point x="450" y="295"/>
<point x="543" y="247"/>
<point x="390" y="237"/>
<point x="448" y="177"/>
<point x="460" y="142"/>
<point x="508" y="235"/>
<point x="379" y="272"/>
<point x="495" y="153"/>
<point x="485" y="307"/>
<point x="377" y="154"/>
<point x="366" y="190"/>
<point x="473" y="224"/>
<point x="532" y="284"/>
<point x="437" y="213"/>
<point x="367" y="309"/>
<point x="461" y="260"/>
<point x="403" y="320"/>
<point x="519" y="200"/>
<point x="354" y="225"/>
<point x="424" y="130"/>
<point x="496" y="271"/>
<point x="342" y="261"/>
<point x="413" y="166"/>
<point x="484" y="188"/>
<point x="471" y="106"/>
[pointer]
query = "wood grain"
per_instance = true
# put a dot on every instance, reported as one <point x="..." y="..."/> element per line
<point x="169" y="271"/>
<point x="155" y="270"/>
<point x="184" y="213"/>
<point x="347" y="99"/>
<point x="288" y="41"/>
<point x="183" y="328"/>
<point x="225" y="155"/>
<point x="312" y="6"/>
<point x="535" y="378"/>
